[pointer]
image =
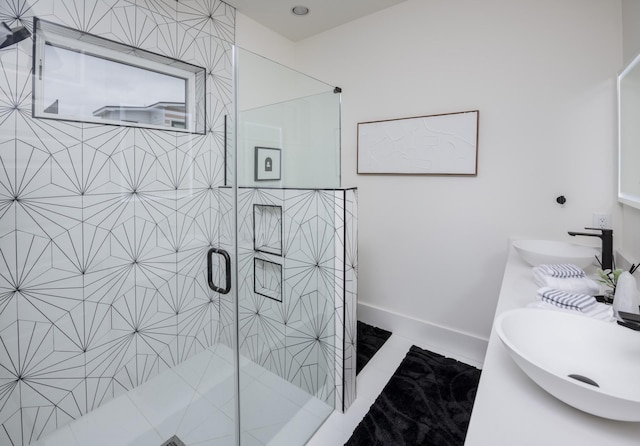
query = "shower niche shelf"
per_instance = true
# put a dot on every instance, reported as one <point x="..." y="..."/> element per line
<point x="267" y="279"/>
<point x="267" y="229"/>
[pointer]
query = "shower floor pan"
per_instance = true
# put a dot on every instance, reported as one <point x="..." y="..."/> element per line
<point x="194" y="401"/>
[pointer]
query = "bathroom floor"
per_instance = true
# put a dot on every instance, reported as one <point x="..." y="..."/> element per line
<point x="370" y="382"/>
<point x="194" y="401"/>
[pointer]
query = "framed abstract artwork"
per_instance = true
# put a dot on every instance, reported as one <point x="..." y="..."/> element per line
<point x="445" y="144"/>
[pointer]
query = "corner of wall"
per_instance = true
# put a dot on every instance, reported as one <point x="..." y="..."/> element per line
<point x="258" y="39"/>
<point x="462" y="346"/>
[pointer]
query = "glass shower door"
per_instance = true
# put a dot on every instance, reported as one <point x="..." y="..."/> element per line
<point x="288" y="165"/>
<point x="110" y="332"/>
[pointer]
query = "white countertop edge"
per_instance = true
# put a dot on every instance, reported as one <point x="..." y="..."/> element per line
<point x="511" y="410"/>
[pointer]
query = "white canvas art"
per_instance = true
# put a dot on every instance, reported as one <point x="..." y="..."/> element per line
<point x="438" y="145"/>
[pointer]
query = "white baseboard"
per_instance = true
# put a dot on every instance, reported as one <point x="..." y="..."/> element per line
<point x="446" y="341"/>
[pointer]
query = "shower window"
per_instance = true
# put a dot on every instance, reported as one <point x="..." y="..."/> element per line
<point x="82" y="77"/>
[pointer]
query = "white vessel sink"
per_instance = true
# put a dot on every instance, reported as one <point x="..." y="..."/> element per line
<point x="538" y="252"/>
<point x="552" y="346"/>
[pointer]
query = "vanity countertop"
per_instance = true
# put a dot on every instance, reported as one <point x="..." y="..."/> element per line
<point x="511" y="410"/>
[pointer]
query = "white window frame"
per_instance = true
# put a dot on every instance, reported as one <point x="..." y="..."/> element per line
<point x="74" y="40"/>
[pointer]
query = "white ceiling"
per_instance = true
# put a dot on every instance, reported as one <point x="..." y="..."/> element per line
<point x="323" y="14"/>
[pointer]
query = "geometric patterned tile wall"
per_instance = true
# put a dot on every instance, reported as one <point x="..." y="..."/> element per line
<point x="301" y="336"/>
<point x="104" y="229"/>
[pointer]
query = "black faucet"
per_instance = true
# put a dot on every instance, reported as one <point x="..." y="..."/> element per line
<point x="606" y="235"/>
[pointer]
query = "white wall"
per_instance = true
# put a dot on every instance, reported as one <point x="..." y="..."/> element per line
<point x="542" y="74"/>
<point x="630" y="29"/>
<point x="254" y="37"/>
<point x="263" y="82"/>
<point x="630" y="236"/>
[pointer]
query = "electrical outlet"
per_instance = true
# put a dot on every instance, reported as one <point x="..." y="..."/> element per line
<point x="602" y="221"/>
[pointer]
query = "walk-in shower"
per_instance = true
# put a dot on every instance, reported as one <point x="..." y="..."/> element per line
<point x="177" y="263"/>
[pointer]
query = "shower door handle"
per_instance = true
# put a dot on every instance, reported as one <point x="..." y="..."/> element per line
<point x="227" y="270"/>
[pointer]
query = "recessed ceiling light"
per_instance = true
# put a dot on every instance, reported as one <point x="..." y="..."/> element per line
<point x="300" y="10"/>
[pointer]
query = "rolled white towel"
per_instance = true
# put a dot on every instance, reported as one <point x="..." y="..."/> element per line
<point x="598" y="311"/>
<point x="561" y="270"/>
<point x="564" y="299"/>
<point x="579" y="285"/>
